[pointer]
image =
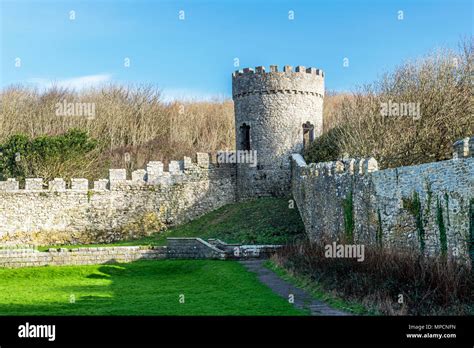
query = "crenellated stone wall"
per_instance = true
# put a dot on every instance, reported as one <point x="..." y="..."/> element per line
<point x="113" y="208"/>
<point x="428" y="206"/>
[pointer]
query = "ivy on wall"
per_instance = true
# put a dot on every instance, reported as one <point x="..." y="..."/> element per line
<point x="442" y="228"/>
<point x="378" y="236"/>
<point x="471" y="231"/>
<point x="413" y="205"/>
<point x="348" y="206"/>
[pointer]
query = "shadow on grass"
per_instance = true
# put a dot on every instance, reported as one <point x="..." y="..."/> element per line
<point x="164" y="287"/>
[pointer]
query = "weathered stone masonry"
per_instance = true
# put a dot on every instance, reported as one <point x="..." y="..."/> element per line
<point x="114" y="208"/>
<point x="274" y="105"/>
<point x="272" y="109"/>
<point x="427" y="206"/>
<point x="177" y="248"/>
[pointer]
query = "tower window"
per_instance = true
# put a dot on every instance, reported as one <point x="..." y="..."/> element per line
<point x="245" y="137"/>
<point x="308" y="134"/>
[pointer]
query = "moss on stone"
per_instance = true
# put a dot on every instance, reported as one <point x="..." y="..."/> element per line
<point x="378" y="236"/>
<point x="413" y="206"/>
<point x="144" y="226"/>
<point x="348" y="206"/>
<point x="429" y="198"/>
<point x="442" y="228"/>
<point x="90" y="193"/>
<point x="446" y="199"/>
<point x="471" y="231"/>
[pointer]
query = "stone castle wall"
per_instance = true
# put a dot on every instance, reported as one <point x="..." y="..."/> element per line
<point x="114" y="208"/>
<point x="17" y="258"/>
<point x="428" y="206"/>
<point x="177" y="248"/>
<point x="275" y="105"/>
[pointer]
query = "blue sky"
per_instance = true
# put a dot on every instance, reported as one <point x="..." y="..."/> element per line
<point x="195" y="57"/>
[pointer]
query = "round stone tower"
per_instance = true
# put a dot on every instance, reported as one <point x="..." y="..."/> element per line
<point x="276" y="114"/>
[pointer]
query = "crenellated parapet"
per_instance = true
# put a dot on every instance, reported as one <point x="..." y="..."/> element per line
<point x="9" y="185"/>
<point x="463" y="148"/>
<point x="424" y="207"/>
<point x="154" y="174"/>
<point x="71" y="211"/>
<point x="277" y="113"/>
<point x="301" y="80"/>
<point x="349" y="166"/>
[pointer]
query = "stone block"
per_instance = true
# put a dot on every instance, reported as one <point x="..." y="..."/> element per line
<point x="175" y="167"/>
<point x="154" y="170"/>
<point x="463" y="148"/>
<point x="371" y="165"/>
<point x="10" y="185"/>
<point x="116" y="175"/>
<point x="202" y="159"/>
<point x="339" y="167"/>
<point x="187" y="163"/>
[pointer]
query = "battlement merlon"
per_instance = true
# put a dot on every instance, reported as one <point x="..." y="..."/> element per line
<point x="287" y="69"/>
<point x="154" y="174"/>
<point x="463" y="148"/>
<point x="349" y="166"/>
<point x="300" y="80"/>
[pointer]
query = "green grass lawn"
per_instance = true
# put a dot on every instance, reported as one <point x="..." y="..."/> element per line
<point x="139" y="288"/>
<point x="260" y="221"/>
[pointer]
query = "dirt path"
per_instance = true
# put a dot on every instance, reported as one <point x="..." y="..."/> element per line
<point x="302" y="299"/>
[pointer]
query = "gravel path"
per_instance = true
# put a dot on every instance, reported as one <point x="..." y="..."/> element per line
<point x="302" y="299"/>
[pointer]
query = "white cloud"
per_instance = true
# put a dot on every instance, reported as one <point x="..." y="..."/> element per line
<point x="76" y="83"/>
<point x="185" y="94"/>
<point x="167" y="94"/>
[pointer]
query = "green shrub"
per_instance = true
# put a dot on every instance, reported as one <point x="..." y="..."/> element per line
<point x="326" y="147"/>
<point x="45" y="156"/>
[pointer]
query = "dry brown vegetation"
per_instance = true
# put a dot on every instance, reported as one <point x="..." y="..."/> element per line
<point x="131" y="123"/>
<point x="429" y="285"/>
<point x="442" y="85"/>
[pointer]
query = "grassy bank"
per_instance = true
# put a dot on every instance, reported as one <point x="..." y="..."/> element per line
<point x="260" y="221"/>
